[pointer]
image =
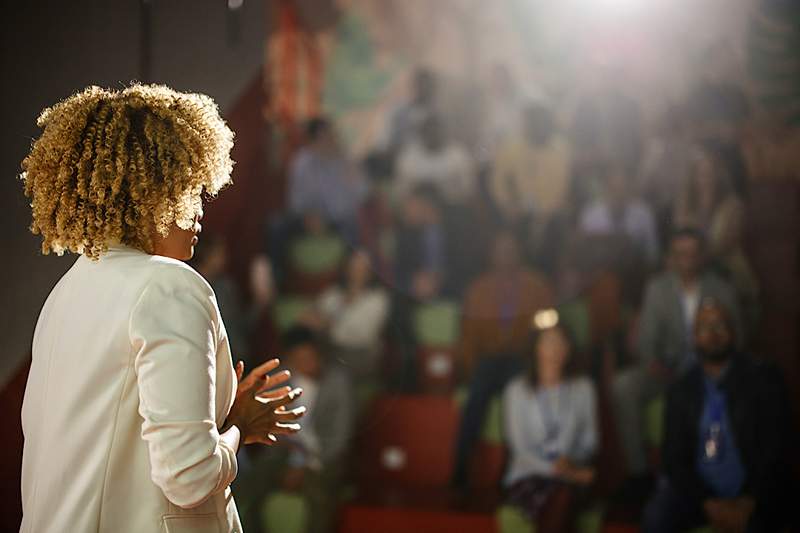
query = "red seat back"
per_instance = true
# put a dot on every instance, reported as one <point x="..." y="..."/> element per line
<point x="408" y="441"/>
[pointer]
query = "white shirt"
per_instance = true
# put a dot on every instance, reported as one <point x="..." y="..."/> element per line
<point x="637" y="223"/>
<point x="131" y="378"/>
<point x="450" y="170"/>
<point x="358" y="323"/>
<point x="690" y="299"/>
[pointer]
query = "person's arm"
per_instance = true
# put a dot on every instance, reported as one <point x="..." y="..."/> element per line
<point x="649" y="236"/>
<point x="465" y="172"/>
<point x="468" y="345"/>
<point x="173" y="331"/>
<point x="770" y="482"/>
<point x="498" y="182"/>
<point x="335" y="434"/>
<point x="679" y="449"/>
<point x="648" y="326"/>
<point x="405" y="174"/>
<point x="587" y="439"/>
<point x="299" y="195"/>
<point x="515" y="410"/>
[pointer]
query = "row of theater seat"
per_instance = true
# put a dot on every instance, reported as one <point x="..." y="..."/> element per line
<point x="404" y="452"/>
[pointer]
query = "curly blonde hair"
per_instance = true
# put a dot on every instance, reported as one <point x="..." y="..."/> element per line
<point x="115" y="166"/>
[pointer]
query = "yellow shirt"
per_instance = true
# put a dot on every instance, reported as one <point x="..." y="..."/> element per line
<point x="529" y="178"/>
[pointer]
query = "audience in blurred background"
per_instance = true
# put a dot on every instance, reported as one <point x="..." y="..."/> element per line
<point x="433" y="277"/>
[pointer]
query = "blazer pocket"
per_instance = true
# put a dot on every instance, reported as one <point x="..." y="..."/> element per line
<point x="185" y="523"/>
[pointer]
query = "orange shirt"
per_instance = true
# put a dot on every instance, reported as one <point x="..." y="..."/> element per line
<point x="497" y="313"/>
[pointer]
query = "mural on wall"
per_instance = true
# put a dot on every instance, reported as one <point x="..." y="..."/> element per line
<point x="352" y="59"/>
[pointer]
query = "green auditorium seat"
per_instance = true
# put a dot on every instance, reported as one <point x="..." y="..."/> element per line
<point x="437" y="323"/>
<point x="285" y="512"/>
<point x="316" y="254"/>
<point x="511" y="520"/>
<point x="575" y="315"/>
<point x="288" y="309"/>
<point x="493" y="423"/>
<point x="654" y="422"/>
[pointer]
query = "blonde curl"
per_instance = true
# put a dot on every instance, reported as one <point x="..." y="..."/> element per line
<point x="116" y="166"/>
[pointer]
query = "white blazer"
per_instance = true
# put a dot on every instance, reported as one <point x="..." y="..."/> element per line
<point x="131" y="379"/>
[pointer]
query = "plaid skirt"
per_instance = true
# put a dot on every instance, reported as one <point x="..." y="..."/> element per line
<point x="531" y="493"/>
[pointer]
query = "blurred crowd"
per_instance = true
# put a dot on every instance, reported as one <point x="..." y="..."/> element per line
<point x="586" y="271"/>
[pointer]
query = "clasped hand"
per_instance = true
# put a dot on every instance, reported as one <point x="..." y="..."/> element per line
<point x="259" y="410"/>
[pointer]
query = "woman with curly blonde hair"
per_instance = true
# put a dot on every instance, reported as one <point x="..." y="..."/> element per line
<point x="133" y="411"/>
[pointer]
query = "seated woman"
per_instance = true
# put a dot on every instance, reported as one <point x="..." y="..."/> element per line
<point x="353" y="314"/>
<point x="551" y="429"/>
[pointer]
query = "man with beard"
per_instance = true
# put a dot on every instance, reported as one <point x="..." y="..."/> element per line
<point x="727" y="436"/>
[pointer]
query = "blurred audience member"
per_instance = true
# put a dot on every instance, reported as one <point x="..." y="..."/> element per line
<point x="421" y="271"/>
<point x="438" y="161"/>
<point x="498" y="308"/>
<point x="718" y="109"/>
<point x="240" y="315"/>
<point x="665" y="336"/>
<point x="504" y="103"/>
<point x="606" y="124"/>
<point x="666" y="164"/>
<point x="618" y="211"/>
<point x="316" y="462"/>
<point x="353" y="314"/>
<point x="421" y="249"/>
<point x="710" y="200"/>
<point x="376" y="216"/>
<point x="530" y="178"/>
<point x="323" y="181"/>
<point x="324" y="188"/>
<point x="406" y="120"/>
<point x="551" y="428"/>
<point x="728" y="434"/>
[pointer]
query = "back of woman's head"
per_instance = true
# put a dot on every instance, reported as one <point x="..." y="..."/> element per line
<point x="116" y="166"/>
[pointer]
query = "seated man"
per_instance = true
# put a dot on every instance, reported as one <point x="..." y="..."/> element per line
<point x="323" y="180"/>
<point x="665" y="337"/>
<point x="325" y="189"/>
<point x="618" y="212"/>
<point x="727" y="437"/>
<point x="438" y="161"/>
<point x="498" y="309"/>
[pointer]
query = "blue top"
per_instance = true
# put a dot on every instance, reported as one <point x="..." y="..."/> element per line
<point x="718" y="460"/>
<point x="543" y="424"/>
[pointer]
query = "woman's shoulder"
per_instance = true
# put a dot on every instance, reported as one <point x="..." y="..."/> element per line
<point x="177" y="275"/>
<point x="582" y="386"/>
<point x="518" y="387"/>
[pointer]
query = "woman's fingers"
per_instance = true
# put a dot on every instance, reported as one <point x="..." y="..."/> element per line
<point x="286" y="399"/>
<point x="274" y="393"/>
<point x="239" y="370"/>
<point x="285" y="429"/>
<point x="275" y="380"/>
<point x="288" y="416"/>
<point x="261" y="370"/>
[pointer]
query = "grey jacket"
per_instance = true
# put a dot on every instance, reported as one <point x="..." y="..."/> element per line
<point x="663" y="334"/>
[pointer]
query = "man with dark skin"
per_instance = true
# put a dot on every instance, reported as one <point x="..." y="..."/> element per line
<point x="727" y="435"/>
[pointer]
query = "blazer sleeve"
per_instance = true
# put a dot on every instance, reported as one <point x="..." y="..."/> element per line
<point x="173" y="330"/>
